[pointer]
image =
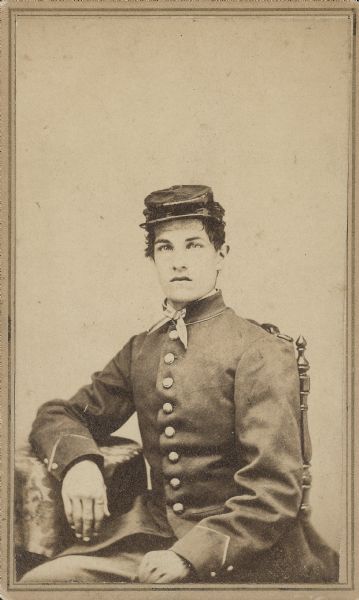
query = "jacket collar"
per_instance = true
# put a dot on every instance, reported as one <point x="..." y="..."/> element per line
<point x="205" y="308"/>
<point x="199" y="310"/>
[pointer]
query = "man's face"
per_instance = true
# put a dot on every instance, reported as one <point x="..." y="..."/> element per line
<point x="186" y="261"/>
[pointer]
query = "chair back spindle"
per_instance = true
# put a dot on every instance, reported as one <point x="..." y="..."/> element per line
<point x="304" y="389"/>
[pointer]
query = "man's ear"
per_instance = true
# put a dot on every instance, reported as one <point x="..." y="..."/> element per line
<point x="221" y="255"/>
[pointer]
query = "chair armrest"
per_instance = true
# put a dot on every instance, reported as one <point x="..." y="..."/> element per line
<point x="40" y="524"/>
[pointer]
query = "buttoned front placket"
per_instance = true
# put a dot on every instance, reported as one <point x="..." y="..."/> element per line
<point x="168" y="423"/>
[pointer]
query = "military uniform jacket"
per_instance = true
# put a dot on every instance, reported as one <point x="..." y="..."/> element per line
<point x="220" y="429"/>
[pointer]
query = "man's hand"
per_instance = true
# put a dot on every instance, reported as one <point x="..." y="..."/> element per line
<point x="85" y="500"/>
<point x="162" y="566"/>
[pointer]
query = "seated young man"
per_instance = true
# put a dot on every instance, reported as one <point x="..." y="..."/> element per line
<point x="217" y="399"/>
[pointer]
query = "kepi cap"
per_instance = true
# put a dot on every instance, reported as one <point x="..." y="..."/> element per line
<point x="181" y="201"/>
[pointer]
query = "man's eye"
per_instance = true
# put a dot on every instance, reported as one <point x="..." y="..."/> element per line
<point x="164" y="247"/>
<point x="194" y="245"/>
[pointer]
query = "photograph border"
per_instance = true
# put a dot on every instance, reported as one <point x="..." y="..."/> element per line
<point x="8" y="13"/>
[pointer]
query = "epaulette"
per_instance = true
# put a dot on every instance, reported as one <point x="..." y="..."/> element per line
<point x="284" y="336"/>
<point x="273" y="329"/>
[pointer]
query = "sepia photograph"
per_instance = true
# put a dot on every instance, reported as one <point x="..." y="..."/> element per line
<point x="178" y="399"/>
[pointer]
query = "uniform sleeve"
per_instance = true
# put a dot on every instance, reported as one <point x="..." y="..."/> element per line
<point x="64" y="431"/>
<point x="267" y="427"/>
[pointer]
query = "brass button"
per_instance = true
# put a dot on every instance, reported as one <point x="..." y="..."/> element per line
<point x="173" y="334"/>
<point x="213" y="574"/>
<point x="46" y="461"/>
<point x="167" y="382"/>
<point x="173" y="456"/>
<point x="175" y="482"/>
<point x="167" y="407"/>
<point x="54" y="466"/>
<point x="178" y="508"/>
<point x="169" y="432"/>
<point x="230" y="568"/>
<point x="169" y="358"/>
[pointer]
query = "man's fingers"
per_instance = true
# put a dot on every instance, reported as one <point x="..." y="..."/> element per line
<point x="99" y="513"/>
<point x="100" y="510"/>
<point x="77" y="516"/>
<point x="143" y="571"/>
<point x="165" y="578"/>
<point x="162" y="567"/>
<point x="141" y="574"/>
<point x="154" y="575"/>
<point x="106" y="511"/>
<point x="68" y="509"/>
<point x="87" y="518"/>
<point x="150" y="570"/>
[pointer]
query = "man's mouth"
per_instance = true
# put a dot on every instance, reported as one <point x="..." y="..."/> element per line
<point x="181" y="279"/>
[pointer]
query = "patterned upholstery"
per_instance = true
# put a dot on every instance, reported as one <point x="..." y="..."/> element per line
<point x="41" y="528"/>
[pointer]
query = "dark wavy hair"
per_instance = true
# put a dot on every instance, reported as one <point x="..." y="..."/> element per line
<point x="214" y="229"/>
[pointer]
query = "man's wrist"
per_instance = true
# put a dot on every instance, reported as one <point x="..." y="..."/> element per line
<point x="98" y="460"/>
<point x="189" y="566"/>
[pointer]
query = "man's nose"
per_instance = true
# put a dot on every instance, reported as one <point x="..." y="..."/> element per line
<point x="179" y="261"/>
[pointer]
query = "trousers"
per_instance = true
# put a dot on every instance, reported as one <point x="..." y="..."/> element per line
<point x="116" y="563"/>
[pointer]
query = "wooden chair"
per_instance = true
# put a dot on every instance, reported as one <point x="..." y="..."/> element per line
<point x="304" y="389"/>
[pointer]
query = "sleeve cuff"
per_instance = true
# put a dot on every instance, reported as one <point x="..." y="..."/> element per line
<point x="206" y="549"/>
<point x="67" y="449"/>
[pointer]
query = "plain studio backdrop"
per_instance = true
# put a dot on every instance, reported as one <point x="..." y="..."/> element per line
<point x="110" y="108"/>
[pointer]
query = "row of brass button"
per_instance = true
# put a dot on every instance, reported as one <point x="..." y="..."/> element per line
<point x="167" y="383"/>
<point x="173" y="456"/>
